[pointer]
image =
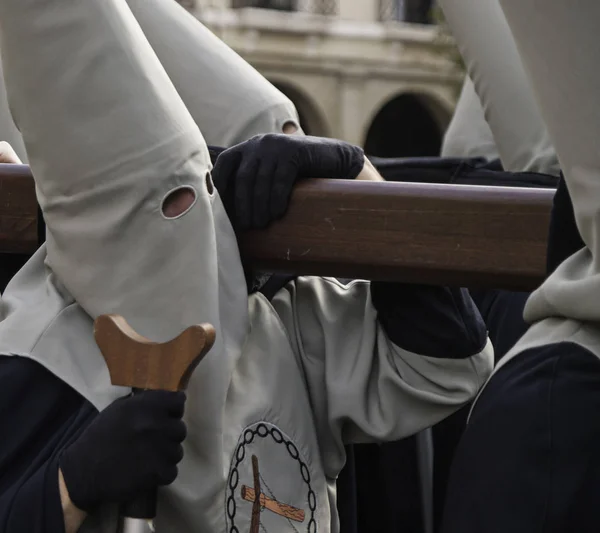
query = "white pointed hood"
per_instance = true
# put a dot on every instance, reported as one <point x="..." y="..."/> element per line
<point x="227" y="97"/>
<point x="108" y="139"/>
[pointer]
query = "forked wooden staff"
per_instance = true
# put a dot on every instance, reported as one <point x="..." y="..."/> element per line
<point x="136" y="362"/>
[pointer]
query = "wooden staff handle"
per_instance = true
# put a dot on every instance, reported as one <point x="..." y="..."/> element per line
<point x="136" y="362"/>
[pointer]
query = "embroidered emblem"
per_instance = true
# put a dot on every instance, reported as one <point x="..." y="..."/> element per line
<point x="269" y="485"/>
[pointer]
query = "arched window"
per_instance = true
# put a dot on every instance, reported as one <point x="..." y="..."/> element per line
<point x="404" y="127"/>
<point x="318" y="7"/>
<point x="413" y="11"/>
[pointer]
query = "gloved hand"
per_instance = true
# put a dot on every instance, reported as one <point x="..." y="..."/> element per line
<point x="134" y="445"/>
<point x="255" y="178"/>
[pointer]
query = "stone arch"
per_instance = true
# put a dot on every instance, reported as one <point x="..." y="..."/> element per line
<point x="312" y="119"/>
<point x="408" y="124"/>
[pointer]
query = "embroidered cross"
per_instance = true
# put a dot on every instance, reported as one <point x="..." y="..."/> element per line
<point x="264" y="502"/>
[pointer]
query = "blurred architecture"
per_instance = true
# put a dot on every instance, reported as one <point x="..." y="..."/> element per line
<point x="372" y="72"/>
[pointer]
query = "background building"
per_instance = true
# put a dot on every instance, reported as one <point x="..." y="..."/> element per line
<point x="372" y="72"/>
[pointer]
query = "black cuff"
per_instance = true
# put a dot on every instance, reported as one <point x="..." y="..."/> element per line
<point x="428" y="320"/>
<point x="357" y="162"/>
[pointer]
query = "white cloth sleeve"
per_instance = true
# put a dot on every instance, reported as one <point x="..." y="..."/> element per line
<point x="363" y="387"/>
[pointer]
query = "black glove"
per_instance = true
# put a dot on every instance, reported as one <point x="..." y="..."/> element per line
<point x="132" y="446"/>
<point x="255" y="179"/>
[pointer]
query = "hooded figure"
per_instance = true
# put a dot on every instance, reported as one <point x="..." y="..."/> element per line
<point x="493" y="65"/>
<point x="113" y="148"/>
<point x="468" y="134"/>
<point x="535" y="417"/>
<point x="229" y="100"/>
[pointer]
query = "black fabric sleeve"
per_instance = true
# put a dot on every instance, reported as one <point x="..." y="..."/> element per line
<point x="431" y="321"/>
<point x="215" y="152"/>
<point x="39" y="416"/>
<point x="502" y="312"/>
<point x="528" y="460"/>
<point x="563" y="236"/>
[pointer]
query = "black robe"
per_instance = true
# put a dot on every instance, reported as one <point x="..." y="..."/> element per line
<point x="39" y="416"/>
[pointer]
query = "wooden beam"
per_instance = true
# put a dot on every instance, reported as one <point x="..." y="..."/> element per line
<point x="441" y="234"/>
<point x="18" y="210"/>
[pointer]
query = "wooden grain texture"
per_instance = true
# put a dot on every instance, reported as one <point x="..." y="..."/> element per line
<point x="18" y="210"/>
<point x="136" y="362"/>
<point x="441" y="234"/>
<point x="264" y="502"/>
